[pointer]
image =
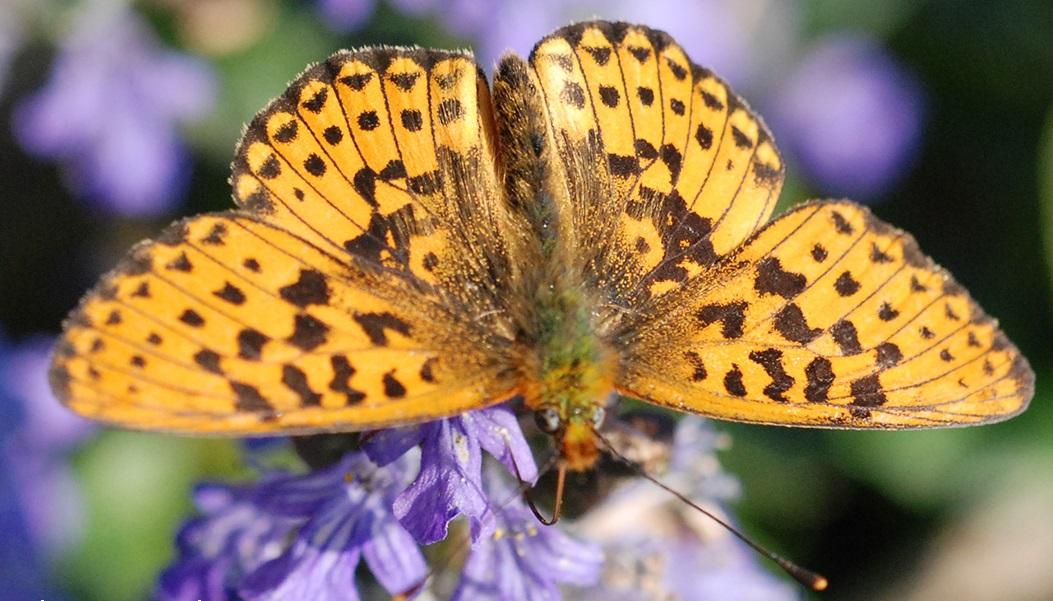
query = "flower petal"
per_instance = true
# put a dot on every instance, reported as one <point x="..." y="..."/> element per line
<point x="394" y="557"/>
<point x="449" y="483"/>
<point x="499" y="434"/>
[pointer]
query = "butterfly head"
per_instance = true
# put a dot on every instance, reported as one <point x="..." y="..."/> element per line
<point x="574" y="431"/>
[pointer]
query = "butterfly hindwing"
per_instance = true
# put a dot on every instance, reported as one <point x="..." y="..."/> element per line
<point x="829" y="317"/>
<point x="229" y="324"/>
<point x="685" y="170"/>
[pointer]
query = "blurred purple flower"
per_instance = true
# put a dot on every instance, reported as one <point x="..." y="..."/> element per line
<point x="37" y="445"/>
<point x="851" y="115"/>
<point x="522" y="560"/>
<point x="346" y="15"/>
<point x="658" y="548"/>
<point x="110" y="112"/>
<point x="450" y="479"/>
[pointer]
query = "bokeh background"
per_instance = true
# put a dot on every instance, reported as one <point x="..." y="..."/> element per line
<point x="117" y="117"/>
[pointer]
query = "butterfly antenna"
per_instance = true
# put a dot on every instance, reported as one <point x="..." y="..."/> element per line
<point x="561" y="479"/>
<point x="521" y="490"/>
<point x="806" y="577"/>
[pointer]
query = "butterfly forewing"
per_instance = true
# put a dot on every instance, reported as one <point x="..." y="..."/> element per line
<point x="361" y="286"/>
<point x="685" y="171"/>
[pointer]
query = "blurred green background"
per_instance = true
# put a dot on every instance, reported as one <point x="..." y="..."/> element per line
<point x="965" y="88"/>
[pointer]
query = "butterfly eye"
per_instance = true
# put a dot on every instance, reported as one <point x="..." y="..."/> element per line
<point x="597" y="417"/>
<point x="548" y="420"/>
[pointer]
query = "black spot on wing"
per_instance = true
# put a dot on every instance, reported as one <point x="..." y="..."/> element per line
<point x="773" y="279"/>
<point x="645" y="94"/>
<point x="314" y="165"/>
<point x="358" y="81"/>
<point x="230" y="293"/>
<point x="846" y="285"/>
<point x="730" y="315"/>
<point x="333" y="135"/>
<point x="375" y="324"/>
<point x="308" y="332"/>
<point x="887" y="313"/>
<point x="846" y="337"/>
<point x="404" y="81"/>
<point x="820" y="376"/>
<point x="609" y="96"/>
<point x="601" y="55"/>
<point x="311" y="288"/>
<point x="450" y="110"/>
<point x="250" y="343"/>
<point x="315" y="103"/>
<point x="208" y="360"/>
<point x="699" y="369"/>
<point x="704" y="136"/>
<point x="771" y="361"/>
<point x="287" y="132"/>
<point x="841" y="224"/>
<point x="741" y="139"/>
<point x="623" y="166"/>
<point x="412" y="120"/>
<point x="427" y="371"/>
<point x="216" y="235"/>
<point x="792" y="325"/>
<point x="819" y="253"/>
<point x="180" y="263"/>
<point x="248" y="398"/>
<point x="296" y="380"/>
<point x="888" y="354"/>
<point x="192" y="318"/>
<point x="368" y="120"/>
<point x="645" y="150"/>
<point x="867" y="392"/>
<point x="879" y="256"/>
<point x="393" y="389"/>
<point x="733" y="381"/>
<point x="341" y="382"/>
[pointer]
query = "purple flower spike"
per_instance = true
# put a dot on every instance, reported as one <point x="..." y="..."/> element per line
<point x="110" y="112"/>
<point x="522" y="560"/>
<point x="450" y="482"/>
<point x="851" y="115"/>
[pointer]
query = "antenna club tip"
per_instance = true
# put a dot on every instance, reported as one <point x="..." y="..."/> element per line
<point x="819" y="583"/>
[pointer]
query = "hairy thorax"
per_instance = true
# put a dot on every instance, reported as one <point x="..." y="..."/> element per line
<point x="568" y="373"/>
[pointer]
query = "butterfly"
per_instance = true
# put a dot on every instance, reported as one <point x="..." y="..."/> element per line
<point x="412" y="242"/>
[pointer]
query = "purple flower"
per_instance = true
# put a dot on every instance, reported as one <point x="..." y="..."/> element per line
<point x="450" y="479"/>
<point x="657" y="547"/>
<point x="851" y="115"/>
<point x="296" y="537"/>
<point x="40" y="434"/>
<point x="303" y="536"/>
<point x="346" y="15"/>
<point x="521" y="560"/>
<point x="110" y="112"/>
